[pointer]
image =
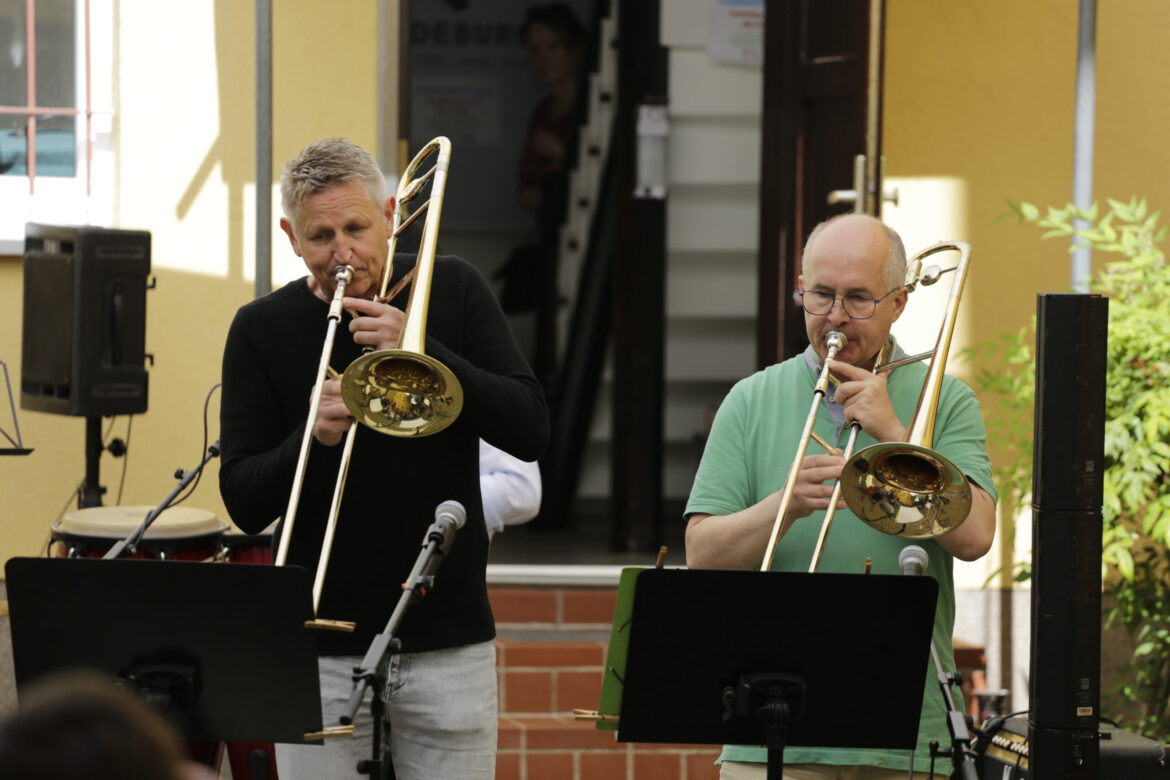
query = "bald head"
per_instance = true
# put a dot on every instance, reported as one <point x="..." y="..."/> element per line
<point x="861" y="264"/>
<point x="860" y="234"/>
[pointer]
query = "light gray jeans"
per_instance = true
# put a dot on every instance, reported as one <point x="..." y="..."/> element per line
<point x="442" y="708"/>
<point x="736" y="770"/>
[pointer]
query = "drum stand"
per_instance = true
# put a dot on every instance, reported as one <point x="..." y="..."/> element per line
<point x="374" y="666"/>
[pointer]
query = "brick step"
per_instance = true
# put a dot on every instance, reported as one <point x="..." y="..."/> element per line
<point x="556" y="747"/>
<point x="550" y="656"/>
<point x="549" y="677"/>
<point x="552" y="608"/>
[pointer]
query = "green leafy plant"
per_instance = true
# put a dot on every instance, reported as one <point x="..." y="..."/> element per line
<point x="1136" y="510"/>
<point x="1005" y="380"/>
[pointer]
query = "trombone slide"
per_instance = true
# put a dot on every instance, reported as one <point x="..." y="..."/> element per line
<point x="343" y="276"/>
<point x="836" y="342"/>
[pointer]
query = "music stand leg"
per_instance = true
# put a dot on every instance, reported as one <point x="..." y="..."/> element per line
<point x="775" y="699"/>
<point x="258" y="764"/>
<point x="380" y="765"/>
<point x="778" y="712"/>
<point x="776" y="741"/>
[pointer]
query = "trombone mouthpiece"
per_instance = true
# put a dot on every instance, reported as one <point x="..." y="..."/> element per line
<point x="343" y="273"/>
<point x="836" y="340"/>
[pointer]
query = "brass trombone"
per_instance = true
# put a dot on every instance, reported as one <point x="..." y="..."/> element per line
<point x="399" y="392"/>
<point x="899" y="488"/>
<point x="404" y="391"/>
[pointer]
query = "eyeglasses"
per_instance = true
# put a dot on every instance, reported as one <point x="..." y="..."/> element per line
<point x="857" y="305"/>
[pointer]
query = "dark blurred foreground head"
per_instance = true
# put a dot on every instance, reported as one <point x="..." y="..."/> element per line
<point x="81" y="725"/>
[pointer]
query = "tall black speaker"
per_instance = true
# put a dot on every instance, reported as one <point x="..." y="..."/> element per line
<point x="84" y="339"/>
<point x="1071" y="340"/>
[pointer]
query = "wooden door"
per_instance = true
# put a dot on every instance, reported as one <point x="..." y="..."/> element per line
<point x="822" y="110"/>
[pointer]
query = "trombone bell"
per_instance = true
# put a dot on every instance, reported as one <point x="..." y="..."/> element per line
<point x="906" y="490"/>
<point x="405" y="392"/>
<point x="401" y="393"/>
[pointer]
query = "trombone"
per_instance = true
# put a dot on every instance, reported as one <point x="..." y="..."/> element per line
<point x="900" y="488"/>
<point x="399" y="392"/>
<point x="405" y="392"/>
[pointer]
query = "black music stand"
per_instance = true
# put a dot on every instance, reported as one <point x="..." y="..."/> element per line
<point x="776" y="659"/>
<point x="221" y="650"/>
<point x="17" y="447"/>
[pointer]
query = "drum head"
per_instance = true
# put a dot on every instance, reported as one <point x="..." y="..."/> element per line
<point x="117" y="522"/>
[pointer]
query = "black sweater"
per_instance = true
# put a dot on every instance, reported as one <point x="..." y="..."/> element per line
<point x="394" y="484"/>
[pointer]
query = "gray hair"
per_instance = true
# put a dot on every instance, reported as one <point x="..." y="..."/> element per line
<point x="325" y="164"/>
<point x="895" y="268"/>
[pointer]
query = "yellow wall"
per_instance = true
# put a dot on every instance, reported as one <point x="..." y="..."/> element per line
<point x="984" y="92"/>
<point x="184" y="132"/>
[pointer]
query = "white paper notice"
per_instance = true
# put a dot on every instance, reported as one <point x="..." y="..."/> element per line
<point x="737" y="32"/>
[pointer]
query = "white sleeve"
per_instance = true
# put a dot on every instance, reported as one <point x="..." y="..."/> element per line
<point x="510" y="488"/>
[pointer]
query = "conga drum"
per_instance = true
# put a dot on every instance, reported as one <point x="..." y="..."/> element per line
<point x="240" y="547"/>
<point x="180" y="533"/>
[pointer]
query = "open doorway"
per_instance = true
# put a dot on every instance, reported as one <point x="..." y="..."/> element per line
<point x="518" y="87"/>
<point x="503" y="80"/>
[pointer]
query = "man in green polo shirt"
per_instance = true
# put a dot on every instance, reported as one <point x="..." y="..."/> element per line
<point x="852" y="281"/>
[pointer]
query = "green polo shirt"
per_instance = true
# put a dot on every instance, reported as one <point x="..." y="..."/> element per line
<point x="747" y="457"/>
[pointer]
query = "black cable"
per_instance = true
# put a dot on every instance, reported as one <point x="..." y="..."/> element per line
<point x="202" y="450"/>
<point x="73" y="496"/>
<point x="125" y="458"/>
<point x="993" y="725"/>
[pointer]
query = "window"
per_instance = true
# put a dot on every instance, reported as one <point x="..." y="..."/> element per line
<point x="48" y="121"/>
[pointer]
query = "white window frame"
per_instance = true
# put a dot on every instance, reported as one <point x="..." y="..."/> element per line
<point x="87" y="197"/>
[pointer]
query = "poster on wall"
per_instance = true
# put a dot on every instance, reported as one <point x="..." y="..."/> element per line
<point x="471" y="81"/>
<point x="736" y="32"/>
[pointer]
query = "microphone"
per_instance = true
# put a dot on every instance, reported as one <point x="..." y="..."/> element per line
<point x="449" y="518"/>
<point x="913" y="559"/>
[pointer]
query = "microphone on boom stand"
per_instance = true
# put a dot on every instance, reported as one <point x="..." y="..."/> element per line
<point x="450" y="516"/>
<point x="130" y="543"/>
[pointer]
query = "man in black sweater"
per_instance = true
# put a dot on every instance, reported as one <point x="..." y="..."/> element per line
<point x="441" y="694"/>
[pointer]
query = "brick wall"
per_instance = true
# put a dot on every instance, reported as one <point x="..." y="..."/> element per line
<point x="550" y="659"/>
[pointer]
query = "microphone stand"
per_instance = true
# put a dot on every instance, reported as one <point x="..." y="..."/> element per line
<point x="914" y="560"/>
<point x="374" y="666"/>
<point x="130" y="543"/>
<point x="960" y="750"/>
